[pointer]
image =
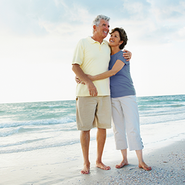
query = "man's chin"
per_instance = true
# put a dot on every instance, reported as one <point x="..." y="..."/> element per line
<point x="105" y="36"/>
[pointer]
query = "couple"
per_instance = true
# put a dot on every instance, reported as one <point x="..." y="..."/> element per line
<point x="93" y="103"/>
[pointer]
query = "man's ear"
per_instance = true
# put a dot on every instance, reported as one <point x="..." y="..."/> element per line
<point x="94" y="27"/>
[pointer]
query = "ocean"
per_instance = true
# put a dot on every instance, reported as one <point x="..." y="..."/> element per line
<point x="39" y="125"/>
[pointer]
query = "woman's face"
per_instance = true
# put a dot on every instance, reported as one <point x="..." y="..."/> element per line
<point x="114" y="40"/>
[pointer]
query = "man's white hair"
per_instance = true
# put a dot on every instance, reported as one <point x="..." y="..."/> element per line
<point x="98" y="18"/>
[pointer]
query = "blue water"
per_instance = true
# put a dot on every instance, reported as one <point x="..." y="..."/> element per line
<point x="37" y="125"/>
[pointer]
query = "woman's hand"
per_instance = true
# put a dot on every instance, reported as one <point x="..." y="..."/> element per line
<point x="92" y="78"/>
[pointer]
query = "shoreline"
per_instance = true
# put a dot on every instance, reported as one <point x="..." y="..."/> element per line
<point x="55" y="166"/>
<point x="62" y="165"/>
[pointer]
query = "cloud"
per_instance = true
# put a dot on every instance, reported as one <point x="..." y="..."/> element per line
<point x="168" y="9"/>
<point x="21" y="17"/>
<point x="74" y="19"/>
<point x="30" y="17"/>
<point x="149" y="20"/>
<point x="153" y="21"/>
<point x="181" y="33"/>
<point x="72" y="12"/>
<point x="135" y="10"/>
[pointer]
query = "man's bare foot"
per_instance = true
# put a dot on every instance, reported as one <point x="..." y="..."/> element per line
<point x="122" y="164"/>
<point x="86" y="169"/>
<point x="102" y="166"/>
<point x="144" y="166"/>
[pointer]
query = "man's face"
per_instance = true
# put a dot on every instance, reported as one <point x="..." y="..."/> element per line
<point x="103" y="28"/>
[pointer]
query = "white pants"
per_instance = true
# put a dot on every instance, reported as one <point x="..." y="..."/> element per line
<point x="126" y="122"/>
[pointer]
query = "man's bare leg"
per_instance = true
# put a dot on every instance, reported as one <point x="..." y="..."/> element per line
<point x="142" y="164"/>
<point x="124" y="162"/>
<point x="85" y="140"/>
<point x="101" y="137"/>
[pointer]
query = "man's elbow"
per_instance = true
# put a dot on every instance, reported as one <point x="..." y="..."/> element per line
<point x="74" y="66"/>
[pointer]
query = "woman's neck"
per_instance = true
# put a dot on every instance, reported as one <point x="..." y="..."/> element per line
<point x="114" y="50"/>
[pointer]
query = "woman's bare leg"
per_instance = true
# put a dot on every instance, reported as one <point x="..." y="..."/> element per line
<point x="142" y="164"/>
<point x="124" y="162"/>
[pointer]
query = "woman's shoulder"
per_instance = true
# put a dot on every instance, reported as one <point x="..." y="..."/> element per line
<point x="119" y="54"/>
<point x="121" y="57"/>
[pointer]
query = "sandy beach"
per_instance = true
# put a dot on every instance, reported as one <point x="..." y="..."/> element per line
<point x="47" y="166"/>
<point x="168" y="167"/>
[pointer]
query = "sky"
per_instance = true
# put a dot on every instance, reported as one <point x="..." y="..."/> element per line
<point x="38" y="38"/>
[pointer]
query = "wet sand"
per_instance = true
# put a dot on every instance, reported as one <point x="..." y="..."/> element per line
<point x="62" y="165"/>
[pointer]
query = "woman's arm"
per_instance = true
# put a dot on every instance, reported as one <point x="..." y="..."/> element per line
<point x="116" y="68"/>
<point x="79" y="72"/>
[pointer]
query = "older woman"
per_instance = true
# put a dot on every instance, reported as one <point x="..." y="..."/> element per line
<point x="124" y="106"/>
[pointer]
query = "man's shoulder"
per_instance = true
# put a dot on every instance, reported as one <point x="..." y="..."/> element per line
<point x="106" y="42"/>
<point x="86" y="39"/>
<point x="83" y="41"/>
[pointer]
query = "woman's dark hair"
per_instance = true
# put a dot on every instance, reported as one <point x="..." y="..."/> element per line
<point x="123" y="36"/>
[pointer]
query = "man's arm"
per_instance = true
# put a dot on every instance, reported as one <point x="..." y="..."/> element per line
<point x="83" y="77"/>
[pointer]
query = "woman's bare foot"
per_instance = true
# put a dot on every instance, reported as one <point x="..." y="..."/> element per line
<point x="102" y="166"/>
<point x="144" y="166"/>
<point x="86" y="169"/>
<point x="122" y="164"/>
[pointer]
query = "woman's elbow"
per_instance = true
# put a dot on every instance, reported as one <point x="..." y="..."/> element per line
<point x="113" y="73"/>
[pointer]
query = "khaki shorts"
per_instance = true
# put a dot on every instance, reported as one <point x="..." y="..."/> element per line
<point x="93" y="112"/>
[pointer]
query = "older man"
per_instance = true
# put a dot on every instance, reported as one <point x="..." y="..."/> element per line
<point x="93" y="106"/>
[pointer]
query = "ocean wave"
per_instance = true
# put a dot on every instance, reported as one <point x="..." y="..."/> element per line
<point x="24" y="145"/>
<point x="30" y="128"/>
<point x="158" y="106"/>
<point x="18" y="130"/>
<point x="51" y="121"/>
<point x="170" y="99"/>
<point x="5" y="133"/>
<point x="20" y="143"/>
<point x="159" y="119"/>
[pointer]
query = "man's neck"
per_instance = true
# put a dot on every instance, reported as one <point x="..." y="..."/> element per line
<point x="100" y="40"/>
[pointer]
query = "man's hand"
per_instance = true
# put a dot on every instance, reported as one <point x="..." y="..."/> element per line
<point x="127" y="55"/>
<point x="78" y="81"/>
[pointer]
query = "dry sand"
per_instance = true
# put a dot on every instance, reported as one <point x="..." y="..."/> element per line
<point x="168" y="168"/>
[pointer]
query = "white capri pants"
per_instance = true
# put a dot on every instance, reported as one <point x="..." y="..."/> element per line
<point x="126" y="122"/>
